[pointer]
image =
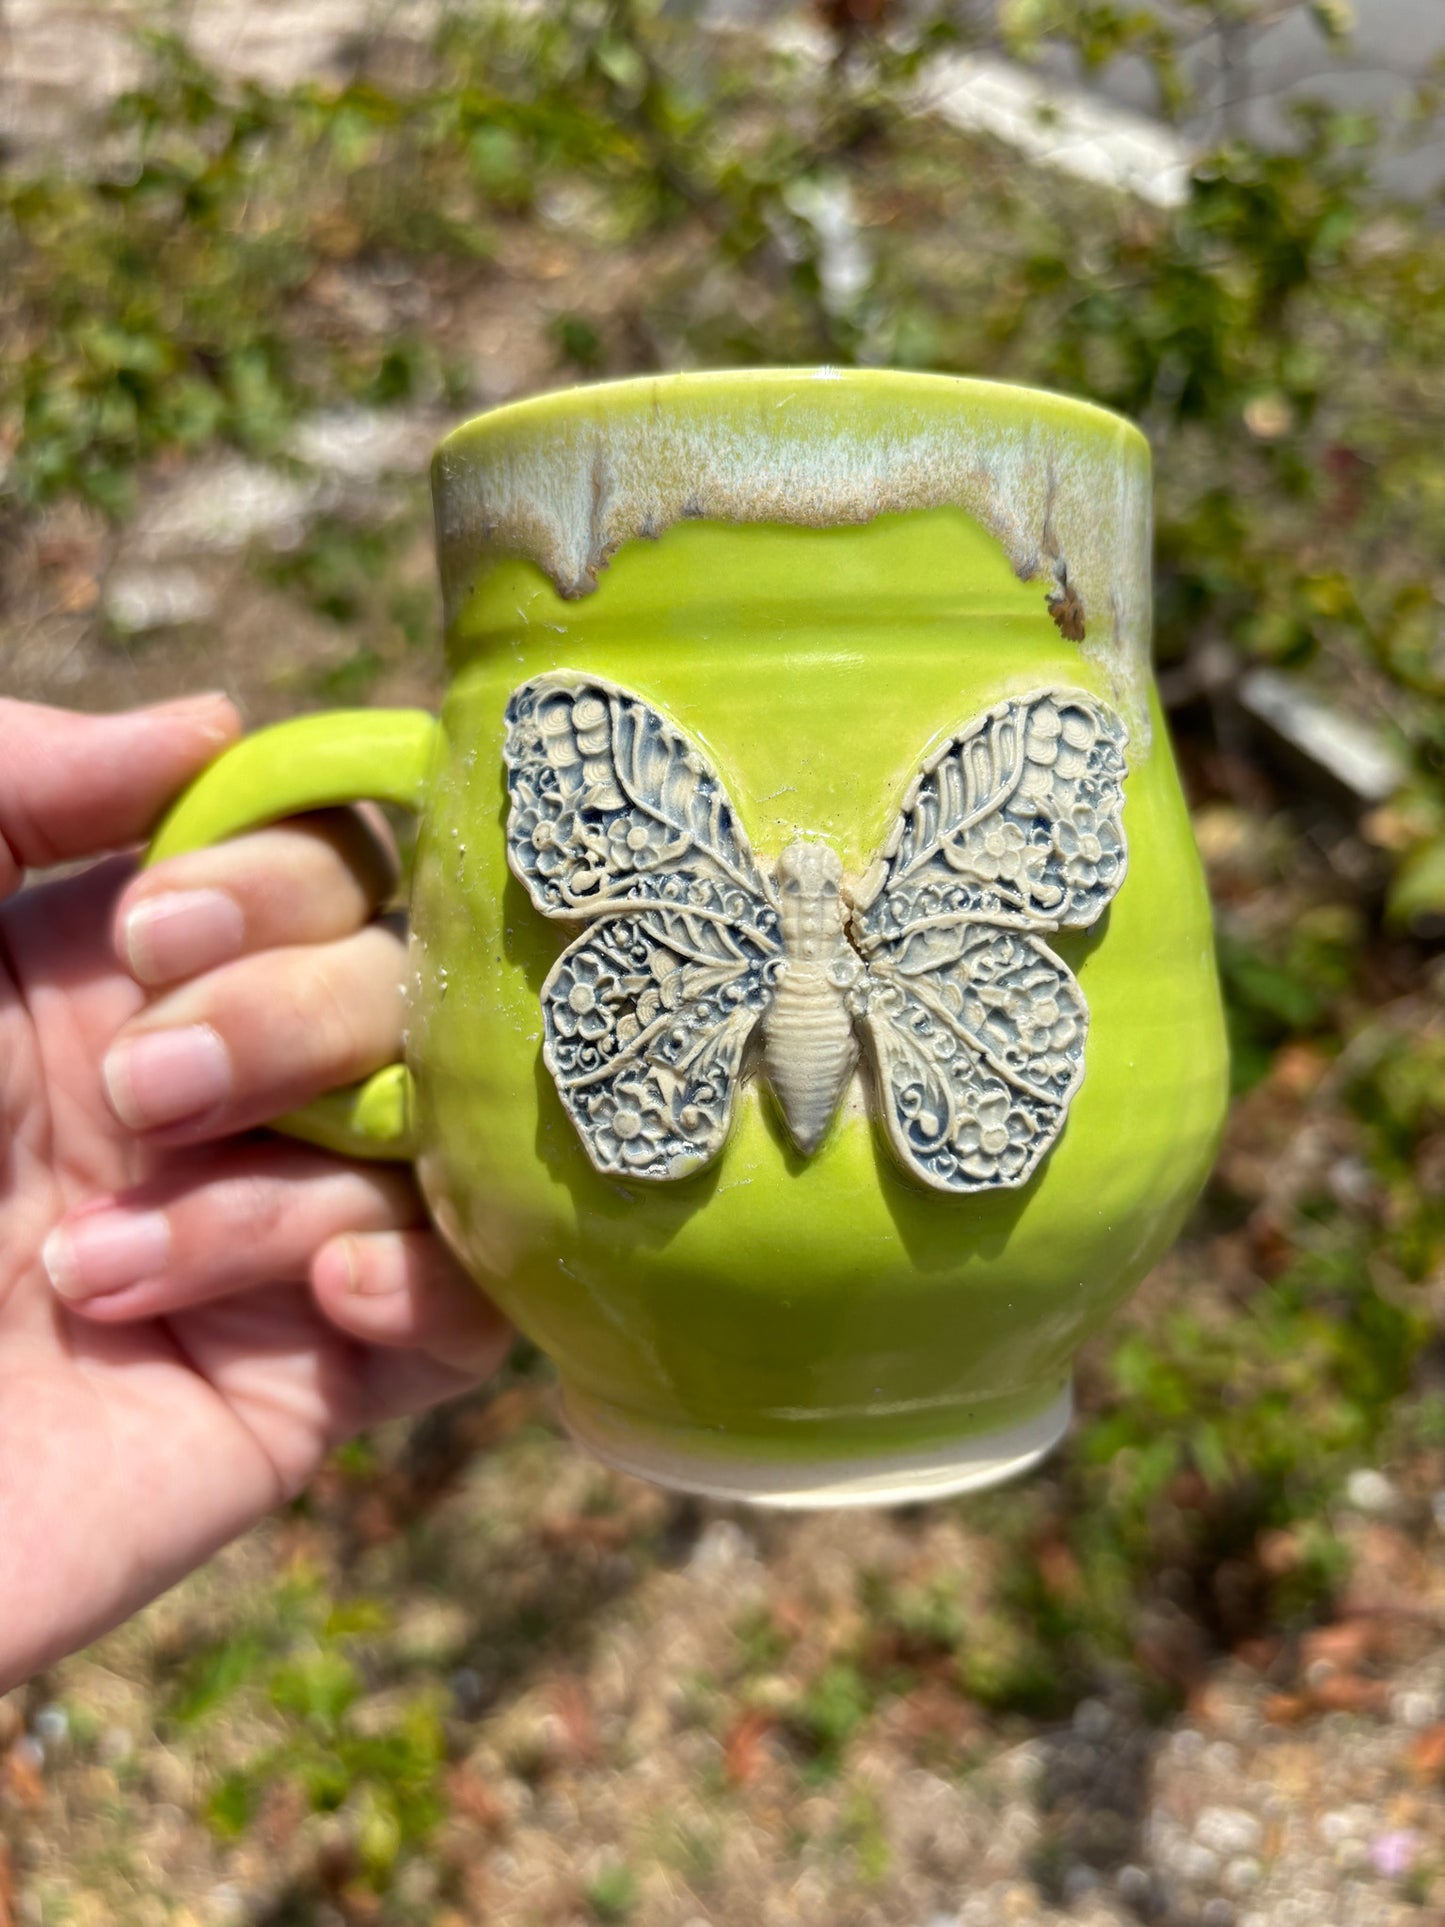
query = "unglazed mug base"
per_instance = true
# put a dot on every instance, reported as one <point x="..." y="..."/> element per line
<point x="683" y="1463"/>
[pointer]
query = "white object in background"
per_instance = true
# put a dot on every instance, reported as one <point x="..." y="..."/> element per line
<point x="1076" y="133"/>
<point x="1352" y="752"/>
<point x="845" y="266"/>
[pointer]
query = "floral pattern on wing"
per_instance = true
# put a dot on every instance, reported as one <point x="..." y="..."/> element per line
<point x="613" y="804"/>
<point x="1016" y="821"/>
<point x="1013" y="830"/>
<point x="977" y="1035"/>
<point x="647" y="1017"/>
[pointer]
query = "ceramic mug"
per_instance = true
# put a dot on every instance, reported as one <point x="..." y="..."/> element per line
<point x="813" y="1023"/>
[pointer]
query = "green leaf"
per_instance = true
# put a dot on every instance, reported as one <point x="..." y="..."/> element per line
<point x="1418" y="889"/>
<point x="216" y="1675"/>
<point x="230" y="1808"/>
<point x="1336" y="19"/>
<point x="613" y="1895"/>
<point x="318" y="1687"/>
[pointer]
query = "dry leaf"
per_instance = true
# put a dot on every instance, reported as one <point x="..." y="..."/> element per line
<point x="1259" y="1654"/>
<point x="573" y="1709"/>
<point x="1427" y="1754"/>
<point x="283" y="1807"/>
<point x="1347" y="1643"/>
<point x="1279" y="1552"/>
<point x="1059" y="1569"/>
<point x="471" y="1798"/>
<point x="1298" y="1069"/>
<point x="1288" y="1709"/>
<point x="933" y="1712"/>
<point x="745" y="1748"/>
<point x="608" y="1532"/>
<point x="503" y="1416"/>
<point x="20" y="1778"/>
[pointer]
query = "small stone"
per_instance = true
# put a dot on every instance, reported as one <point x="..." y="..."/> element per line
<point x="115" y="1744"/>
<point x="1343" y="1823"/>
<point x="1228" y="1831"/>
<point x="1187" y="1745"/>
<point x="467" y="1690"/>
<point x="52" y="1725"/>
<point x="171" y="1777"/>
<point x="223" y="505"/>
<point x="722" y="1545"/>
<point x="416" y="1885"/>
<point x="1078" y="1883"/>
<point x="1092" y="1720"/>
<point x="1221" y="1758"/>
<point x="1371" y="1492"/>
<point x="361" y="444"/>
<point x="1414" y="1709"/>
<point x="1242" y="1875"/>
<point x="1021" y="1766"/>
<point x="140" y="599"/>
<point x="1217" y="1913"/>
<point x="1134" y="1886"/>
<point x="1197" y="1865"/>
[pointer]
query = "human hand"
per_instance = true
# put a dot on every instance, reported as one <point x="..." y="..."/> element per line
<point x="166" y="1377"/>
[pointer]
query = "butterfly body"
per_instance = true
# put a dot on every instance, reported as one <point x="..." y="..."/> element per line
<point x="693" y="961"/>
<point x="809" y="1047"/>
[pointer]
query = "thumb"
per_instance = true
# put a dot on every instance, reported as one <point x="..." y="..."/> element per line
<point x="73" y="786"/>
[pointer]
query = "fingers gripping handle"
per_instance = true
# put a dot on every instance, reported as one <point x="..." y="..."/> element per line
<point x="312" y="763"/>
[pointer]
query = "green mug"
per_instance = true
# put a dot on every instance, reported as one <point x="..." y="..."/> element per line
<point x="813" y="1022"/>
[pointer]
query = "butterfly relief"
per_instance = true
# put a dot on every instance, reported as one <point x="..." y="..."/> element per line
<point x="695" y="965"/>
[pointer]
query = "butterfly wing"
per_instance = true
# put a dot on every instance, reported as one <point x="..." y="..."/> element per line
<point x="611" y="804"/>
<point x="1013" y="829"/>
<point x="645" y="1034"/>
<point x="617" y="818"/>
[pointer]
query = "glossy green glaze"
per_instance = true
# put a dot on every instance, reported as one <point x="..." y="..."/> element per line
<point x="707" y="542"/>
<point x="826" y="1305"/>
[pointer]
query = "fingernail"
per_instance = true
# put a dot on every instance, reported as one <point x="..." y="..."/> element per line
<point x="167" y="1075"/>
<point x="106" y="1251"/>
<point x="381" y="1273"/>
<point x="180" y="933"/>
<point x="220" y="727"/>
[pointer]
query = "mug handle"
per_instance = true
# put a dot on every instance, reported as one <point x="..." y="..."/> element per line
<point x="312" y="763"/>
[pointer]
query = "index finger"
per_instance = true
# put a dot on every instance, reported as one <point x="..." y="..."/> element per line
<point x="74" y="785"/>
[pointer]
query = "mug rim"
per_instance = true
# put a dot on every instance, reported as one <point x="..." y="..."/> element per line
<point x="566" y="481"/>
<point x="620" y="396"/>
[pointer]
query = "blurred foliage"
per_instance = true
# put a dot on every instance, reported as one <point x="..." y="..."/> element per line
<point x="233" y="257"/>
<point x="303" y="1669"/>
<point x="612" y="1895"/>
